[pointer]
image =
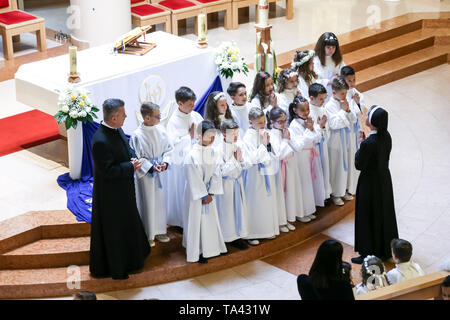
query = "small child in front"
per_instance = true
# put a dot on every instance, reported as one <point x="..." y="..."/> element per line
<point x="405" y="268"/>
<point x="154" y="150"/>
<point x="202" y="236"/>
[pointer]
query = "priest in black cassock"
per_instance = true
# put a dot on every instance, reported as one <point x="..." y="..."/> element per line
<point x="375" y="222"/>
<point x="119" y="244"/>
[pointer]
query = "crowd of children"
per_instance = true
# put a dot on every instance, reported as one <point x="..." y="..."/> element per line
<point x="247" y="171"/>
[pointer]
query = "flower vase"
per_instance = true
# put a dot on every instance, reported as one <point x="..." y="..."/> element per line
<point x="75" y="150"/>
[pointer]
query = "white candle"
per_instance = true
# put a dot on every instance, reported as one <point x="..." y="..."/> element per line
<point x="263" y="8"/>
<point x="73" y="59"/>
<point x="201" y="21"/>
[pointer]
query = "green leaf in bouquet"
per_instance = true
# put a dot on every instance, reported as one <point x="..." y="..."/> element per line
<point x="68" y="123"/>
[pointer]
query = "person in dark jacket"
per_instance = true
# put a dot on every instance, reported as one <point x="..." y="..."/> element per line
<point x="119" y="244"/>
<point x="326" y="279"/>
<point x="375" y="221"/>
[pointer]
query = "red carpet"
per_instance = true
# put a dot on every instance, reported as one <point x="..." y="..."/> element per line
<point x="26" y="130"/>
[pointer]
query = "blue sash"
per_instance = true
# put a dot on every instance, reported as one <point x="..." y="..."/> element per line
<point x="356" y="128"/>
<point x="154" y="174"/>
<point x="266" y="178"/>
<point x="344" y="133"/>
<point x="237" y="203"/>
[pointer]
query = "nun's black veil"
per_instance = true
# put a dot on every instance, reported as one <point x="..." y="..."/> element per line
<point x="379" y="119"/>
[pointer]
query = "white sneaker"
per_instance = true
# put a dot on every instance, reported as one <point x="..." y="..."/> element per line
<point x="312" y="217"/>
<point x="162" y="238"/>
<point x="348" y="197"/>
<point x="290" y="227"/>
<point x="272" y="237"/>
<point x="151" y="242"/>
<point x="253" y="242"/>
<point x="304" y="219"/>
<point x="338" y="201"/>
<point x="284" y="229"/>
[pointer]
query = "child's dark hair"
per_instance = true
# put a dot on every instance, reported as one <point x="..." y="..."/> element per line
<point x="402" y="249"/>
<point x="184" y="94"/>
<point x="211" y="112"/>
<point x="204" y="126"/>
<point x="303" y="70"/>
<point x="283" y="78"/>
<point x="147" y="108"/>
<point x="446" y="282"/>
<point x="347" y="71"/>
<point x="259" y="87"/>
<point x="273" y="115"/>
<point x="233" y="88"/>
<point x="228" y="125"/>
<point x="85" y="295"/>
<point x="347" y="271"/>
<point x="299" y="100"/>
<point x="255" y="113"/>
<point x="338" y="84"/>
<point x="315" y="89"/>
<point x="373" y="266"/>
<point x="328" y="39"/>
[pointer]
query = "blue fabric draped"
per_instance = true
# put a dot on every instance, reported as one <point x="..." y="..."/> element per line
<point x="79" y="192"/>
<point x="200" y="104"/>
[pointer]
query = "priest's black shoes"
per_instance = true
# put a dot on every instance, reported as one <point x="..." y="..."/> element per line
<point x="240" y="244"/>
<point x="202" y="260"/>
<point x="358" y="260"/>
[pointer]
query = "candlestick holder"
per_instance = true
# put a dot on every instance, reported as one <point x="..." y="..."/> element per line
<point x="74" y="78"/>
<point x="202" y="43"/>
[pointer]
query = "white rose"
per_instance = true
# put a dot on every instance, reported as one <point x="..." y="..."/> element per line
<point x="218" y="60"/>
<point x="88" y="109"/>
<point x="82" y="114"/>
<point x="73" y="114"/>
<point x="234" y="65"/>
<point x="65" y="108"/>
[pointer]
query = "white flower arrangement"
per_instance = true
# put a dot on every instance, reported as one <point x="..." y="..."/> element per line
<point x="75" y="106"/>
<point x="228" y="60"/>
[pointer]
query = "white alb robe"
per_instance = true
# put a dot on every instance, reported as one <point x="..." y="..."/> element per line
<point x="262" y="203"/>
<point x="322" y="147"/>
<point x="285" y="98"/>
<point x="255" y="103"/>
<point x="340" y="123"/>
<point x="240" y="115"/>
<point x="327" y="72"/>
<point x="353" y="173"/>
<point x="178" y="131"/>
<point x="152" y="146"/>
<point x="202" y="233"/>
<point x="308" y="161"/>
<point x="404" y="271"/>
<point x="232" y="171"/>
<point x="303" y="87"/>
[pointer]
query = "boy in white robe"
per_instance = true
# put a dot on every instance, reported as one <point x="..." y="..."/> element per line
<point x="180" y="128"/>
<point x="232" y="205"/>
<point x="154" y="150"/>
<point x="240" y="107"/>
<point x="317" y="95"/>
<point x="341" y="120"/>
<point x="405" y="268"/>
<point x="357" y="106"/>
<point x="259" y="180"/>
<point x="308" y="159"/>
<point x="202" y="236"/>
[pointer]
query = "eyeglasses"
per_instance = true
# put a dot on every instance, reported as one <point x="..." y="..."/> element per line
<point x="280" y="121"/>
<point x="158" y="116"/>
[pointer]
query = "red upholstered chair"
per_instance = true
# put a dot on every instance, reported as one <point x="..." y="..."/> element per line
<point x="14" y="22"/>
<point x="237" y="4"/>
<point x="144" y="14"/>
<point x="181" y="9"/>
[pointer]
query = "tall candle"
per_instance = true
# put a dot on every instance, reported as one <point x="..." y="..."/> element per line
<point x="73" y="59"/>
<point x="263" y="8"/>
<point x="201" y="26"/>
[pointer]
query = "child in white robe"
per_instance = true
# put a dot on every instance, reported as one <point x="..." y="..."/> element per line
<point x="373" y="275"/>
<point x="308" y="159"/>
<point x="216" y="111"/>
<point x="263" y="94"/>
<point x="259" y="181"/>
<point x="180" y="128"/>
<point x="232" y="205"/>
<point x="405" y="268"/>
<point x="304" y="65"/>
<point x="202" y="236"/>
<point x="328" y="60"/>
<point x="283" y="164"/>
<point x="357" y="105"/>
<point x="240" y="107"/>
<point x="287" y="89"/>
<point x="341" y="120"/>
<point x="317" y="96"/>
<point x="154" y="150"/>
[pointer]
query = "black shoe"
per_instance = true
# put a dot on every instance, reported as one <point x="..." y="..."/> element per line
<point x="240" y="244"/>
<point x="358" y="260"/>
<point x="178" y="229"/>
<point x="328" y="202"/>
<point x="202" y="260"/>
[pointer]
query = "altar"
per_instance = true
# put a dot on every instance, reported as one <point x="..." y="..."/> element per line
<point x="173" y="63"/>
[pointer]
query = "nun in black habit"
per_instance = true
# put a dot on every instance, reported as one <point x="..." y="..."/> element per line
<point x="375" y="222"/>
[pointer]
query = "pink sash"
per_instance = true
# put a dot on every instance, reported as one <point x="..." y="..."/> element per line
<point x="313" y="155"/>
